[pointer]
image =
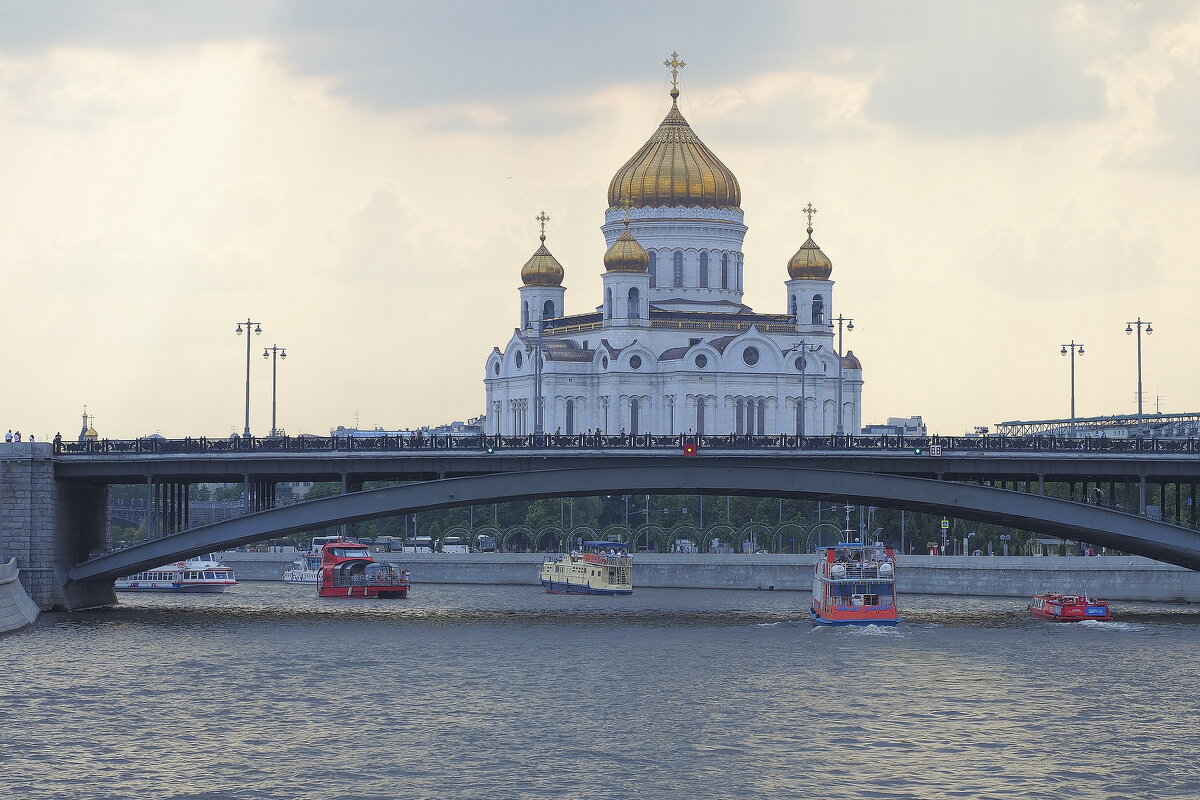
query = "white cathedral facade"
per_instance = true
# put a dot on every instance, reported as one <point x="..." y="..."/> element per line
<point x="672" y="348"/>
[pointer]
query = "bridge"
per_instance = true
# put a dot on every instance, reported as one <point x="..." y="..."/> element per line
<point x="995" y="479"/>
<point x="1051" y="516"/>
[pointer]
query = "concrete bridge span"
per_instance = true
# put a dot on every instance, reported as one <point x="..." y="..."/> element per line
<point x="1050" y="516"/>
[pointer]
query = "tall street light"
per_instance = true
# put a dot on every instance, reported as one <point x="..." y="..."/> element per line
<point x="257" y="329"/>
<point x="1149" y="330"/>
<point x="274" y="353"/>
<point x="1074" y="348"/>
<point x="849" y="326"/>
<point x="804" y="348"/>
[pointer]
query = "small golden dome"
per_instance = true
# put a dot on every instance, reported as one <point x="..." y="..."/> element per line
<point x="675" y="168"/>
<point x="850" y="361"/>
<point x="542" y="269"/>
<point x="91" y="434"/>
<point x="626" y="255"/>
<point x="810" y="263"/>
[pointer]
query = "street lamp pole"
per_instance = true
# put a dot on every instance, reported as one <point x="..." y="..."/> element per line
<point x="1149" y="330"/>
<point x="274" y="352"/>
<point x="257" y="329"/>
<point x="804" y="349"/>
<point x="849" y="326"/>
<point x="1074" y="348"/>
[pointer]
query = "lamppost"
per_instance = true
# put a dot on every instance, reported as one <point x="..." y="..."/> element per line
<point x="1004" y="537"/>
<point x="1149" y="330"/>
<point x="1074" y="349"/>
<point x="257" y="329"/>
<point x="849" y="325"/>
<point x="274" y="352"/>
<point x="804" y="348"/>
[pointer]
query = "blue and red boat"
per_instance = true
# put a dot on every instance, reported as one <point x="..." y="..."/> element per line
<point x="1055" y="607"/>
<point x="855" y="584"/>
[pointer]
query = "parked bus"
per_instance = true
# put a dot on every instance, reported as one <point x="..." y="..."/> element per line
<point x="320" y="541"/>
<point x="485" y="543"/>
<point x="454" y="544"/>
<point x="418" y="544"/>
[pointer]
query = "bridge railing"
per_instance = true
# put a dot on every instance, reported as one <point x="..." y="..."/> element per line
<point x="425" y="443"/>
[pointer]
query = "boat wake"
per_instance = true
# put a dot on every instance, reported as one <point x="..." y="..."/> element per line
<point x="1100" y="625"/>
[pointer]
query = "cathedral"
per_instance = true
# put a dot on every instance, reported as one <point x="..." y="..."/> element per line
<point x="672" y="348"/>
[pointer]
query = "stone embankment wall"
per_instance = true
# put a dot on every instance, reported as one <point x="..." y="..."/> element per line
<point x="16" y="609"/>
<point x="1109" y="577"/>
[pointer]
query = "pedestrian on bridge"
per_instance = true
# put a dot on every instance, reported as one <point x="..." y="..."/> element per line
<point x="8" y="436"/>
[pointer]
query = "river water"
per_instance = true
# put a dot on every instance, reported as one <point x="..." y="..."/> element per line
<point x="470" y="692"/>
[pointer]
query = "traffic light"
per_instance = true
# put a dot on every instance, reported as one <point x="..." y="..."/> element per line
<point x="690" y="449"/>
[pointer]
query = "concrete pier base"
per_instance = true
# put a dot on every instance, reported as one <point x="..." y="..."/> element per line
<point x="16" y="609"/>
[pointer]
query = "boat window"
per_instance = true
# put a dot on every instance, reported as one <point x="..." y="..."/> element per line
<point x="208" y="576"/>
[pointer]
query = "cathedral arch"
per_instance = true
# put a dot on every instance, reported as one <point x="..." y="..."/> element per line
<point x="704" y="270"/>
<point x="524" y="314"/>
<point x="724" y="270"/>
<point x="569" y="427"/>
<point x="794" y="310"/>
<point x="608" y="303"/>
<point x="653" y="268"/>
<point x="635" y="304"/>
<point x="818" y="310"/>
<point x="634" y="413"/>
<point x="548" y="310"/>
<point x="677" y="264"/>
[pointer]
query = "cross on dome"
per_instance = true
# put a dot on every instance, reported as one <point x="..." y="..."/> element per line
<point x="675" y="66"/>
<point x="809" y="210"/>
<point x="543" y="218"/>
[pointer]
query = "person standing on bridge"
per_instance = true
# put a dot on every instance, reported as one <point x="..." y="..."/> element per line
<point x="8" y="436"/>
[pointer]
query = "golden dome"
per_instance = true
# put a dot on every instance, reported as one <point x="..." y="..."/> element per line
<point x="626" y="255"/>
<point x="674" y="168"/>
<point x="542" y="269"/>
<point x="850" y="361"/>
<point x="810" y="263"/>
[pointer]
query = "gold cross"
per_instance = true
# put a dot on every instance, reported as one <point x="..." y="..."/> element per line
<point x="676" y="65"/>
<point x="543" y="218"/>
<point x="809" y="210"/>
<point x="626" y="203"/>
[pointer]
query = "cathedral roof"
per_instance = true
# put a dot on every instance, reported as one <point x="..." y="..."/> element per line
<point x="850" y="361"/>
<point x="626" y="255"/>
<point x="542" y="268"/>
<point x="810" y="262"/>
<point x="675" y="168"/>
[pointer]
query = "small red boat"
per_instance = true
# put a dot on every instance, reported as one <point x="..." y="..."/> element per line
<point x="1057" y="607"/>
<point x="347" y="570"/>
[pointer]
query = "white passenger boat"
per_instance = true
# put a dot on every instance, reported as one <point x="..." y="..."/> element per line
<point x="600" y="568"/>
<point x="305" y="569"/>
<point x="202" y="574"/>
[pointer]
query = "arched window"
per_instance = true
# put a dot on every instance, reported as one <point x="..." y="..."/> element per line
<point x="635" y="304"/>
<point x="794" y="312"/>
<point x="699" y="416"/>
<point x="800" y="417"/>
<point x="633" y="416"/>
<point x="548" y="310"/>
<point x="750" y="415"/>
<point x="724" y="270"/>
<point x="739" y="272"/>
<point x="704" y="270"/>
<point x="762" y="417"/>
<point x="524" y="314"/>
<point x="678" y="263"/>
<point x="818" y="310"/>
<point x="653" y="270"/>
<point x="570" y="426"/>
<point x="608" y="303"/>
<point x="739" y="411"/>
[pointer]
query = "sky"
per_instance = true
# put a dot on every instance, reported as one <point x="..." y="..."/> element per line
<point x="993" y="180"/>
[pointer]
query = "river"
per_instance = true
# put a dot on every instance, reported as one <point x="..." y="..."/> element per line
<point x="267" y="691"/>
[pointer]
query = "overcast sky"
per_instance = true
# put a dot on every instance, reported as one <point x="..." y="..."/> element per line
<point x="993" y="179"/>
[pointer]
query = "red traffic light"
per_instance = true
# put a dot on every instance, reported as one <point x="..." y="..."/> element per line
<point x="690" y="449"/>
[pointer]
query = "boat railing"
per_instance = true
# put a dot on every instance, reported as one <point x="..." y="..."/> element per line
<point x="859" y="571"/>
<point x="363" y="580"/>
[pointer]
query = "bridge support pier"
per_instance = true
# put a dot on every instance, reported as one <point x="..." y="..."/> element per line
<point x="50" y="525"/>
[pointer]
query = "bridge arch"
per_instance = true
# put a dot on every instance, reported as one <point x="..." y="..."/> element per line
<point x="1050" y="516"/>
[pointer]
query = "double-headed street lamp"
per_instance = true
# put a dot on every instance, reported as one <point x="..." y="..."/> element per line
<point x="274" y="352"/>
<point x="804" y="348"/>
<point x="849" y="325"/>
<point x="1074" y="348"/>
<point x="257" y="329"/>
<point x="1149" y="330"/>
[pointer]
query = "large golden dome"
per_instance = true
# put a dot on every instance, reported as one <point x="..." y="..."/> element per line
<point x="810" y="263"/>
<point x="674" y="168"/>
<point x="542" y="269"/>
<point x="626" y="254"/>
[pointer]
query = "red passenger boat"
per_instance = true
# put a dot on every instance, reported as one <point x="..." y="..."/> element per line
<point x="347" y="570"/>
<point x="1057" y="607"/>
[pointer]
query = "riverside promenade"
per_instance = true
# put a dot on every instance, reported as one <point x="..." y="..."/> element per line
<point x="1108" y="577"/>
